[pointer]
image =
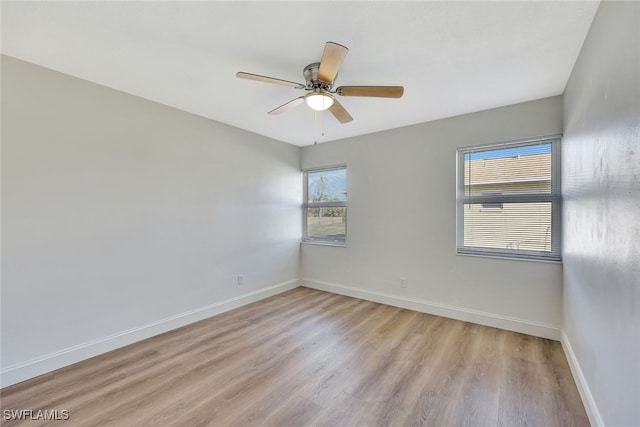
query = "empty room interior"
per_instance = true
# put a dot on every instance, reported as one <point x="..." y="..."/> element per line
<point x="189" y="233"/>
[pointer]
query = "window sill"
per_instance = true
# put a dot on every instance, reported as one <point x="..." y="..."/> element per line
<point x="510" y="258"/>
<point x="321" y="243"/>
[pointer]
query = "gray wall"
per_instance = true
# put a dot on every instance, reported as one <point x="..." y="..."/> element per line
<point x="401" y="223"/>
<point x="118" y="213"/>
<point x="601" y="224"/>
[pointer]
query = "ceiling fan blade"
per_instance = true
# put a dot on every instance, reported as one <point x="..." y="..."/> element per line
<point x="375" y="91"/>
<point x="332" y="58"/>
<point x="284" y="107"/>
<point x="266" y="79"/>
<point x="340" y="113"/>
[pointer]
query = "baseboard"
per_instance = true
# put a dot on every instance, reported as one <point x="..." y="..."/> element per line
<point x="50" y="362"/>
<point x="583" y="388"/>
<point x="474" y="316"/>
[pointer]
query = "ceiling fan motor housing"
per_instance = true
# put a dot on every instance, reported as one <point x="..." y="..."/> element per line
<point x="311" y="77"/>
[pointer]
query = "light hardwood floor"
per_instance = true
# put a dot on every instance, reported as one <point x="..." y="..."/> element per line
<point x="307" y="357"/>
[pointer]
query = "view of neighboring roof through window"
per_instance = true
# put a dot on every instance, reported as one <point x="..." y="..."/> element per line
<point x="508" y="199"/>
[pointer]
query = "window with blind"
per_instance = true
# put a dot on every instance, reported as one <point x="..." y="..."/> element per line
<point x="508" y="199"/>
<point x="325" y="206"/>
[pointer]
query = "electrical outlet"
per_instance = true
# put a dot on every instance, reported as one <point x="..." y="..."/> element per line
<point x="403" y="282"/>
<point x="240" y="279"/>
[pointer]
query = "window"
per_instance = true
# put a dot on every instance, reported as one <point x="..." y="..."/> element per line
<point x="325" y="207"/>
<point x="491" y="205"/>
<point x="508" y="199"/>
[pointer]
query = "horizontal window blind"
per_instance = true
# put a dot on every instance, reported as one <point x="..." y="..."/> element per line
<point x="508" y="199"/>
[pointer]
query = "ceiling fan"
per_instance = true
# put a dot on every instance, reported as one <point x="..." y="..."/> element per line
<point x="320" y="77"/>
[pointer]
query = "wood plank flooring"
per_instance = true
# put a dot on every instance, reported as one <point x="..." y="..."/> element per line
<point x="311" y="358"/>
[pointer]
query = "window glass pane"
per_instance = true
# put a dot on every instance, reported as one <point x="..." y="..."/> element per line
<point x="326" y="223"/>
<point x="327" y="186"/>
<point x="495" y="205"/>
<point x="517" y="170"/>
<point x="514" y="226"/>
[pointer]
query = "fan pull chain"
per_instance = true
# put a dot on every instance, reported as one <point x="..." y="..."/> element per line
<point x="315" y="119"/>
<point x="321" y="124"/>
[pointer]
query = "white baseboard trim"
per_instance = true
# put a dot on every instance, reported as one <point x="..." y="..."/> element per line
<point x="49" y="362"/>
<point x="459" y="313"/>
<point x="583" y="387"/>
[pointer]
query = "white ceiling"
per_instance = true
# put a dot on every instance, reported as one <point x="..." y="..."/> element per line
<point x="452" y="57"/>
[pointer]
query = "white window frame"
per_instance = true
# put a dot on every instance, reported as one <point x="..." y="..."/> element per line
<point x="554" y="197"/>
<point x="308" y="205"/>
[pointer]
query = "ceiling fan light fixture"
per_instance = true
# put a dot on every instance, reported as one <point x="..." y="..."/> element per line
<point x="319" y="100"/>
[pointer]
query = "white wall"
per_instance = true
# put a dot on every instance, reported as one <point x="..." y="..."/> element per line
<point x="401" y="223"/>
<point x="601" y="223"/>
<point x="122" y="218"/>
